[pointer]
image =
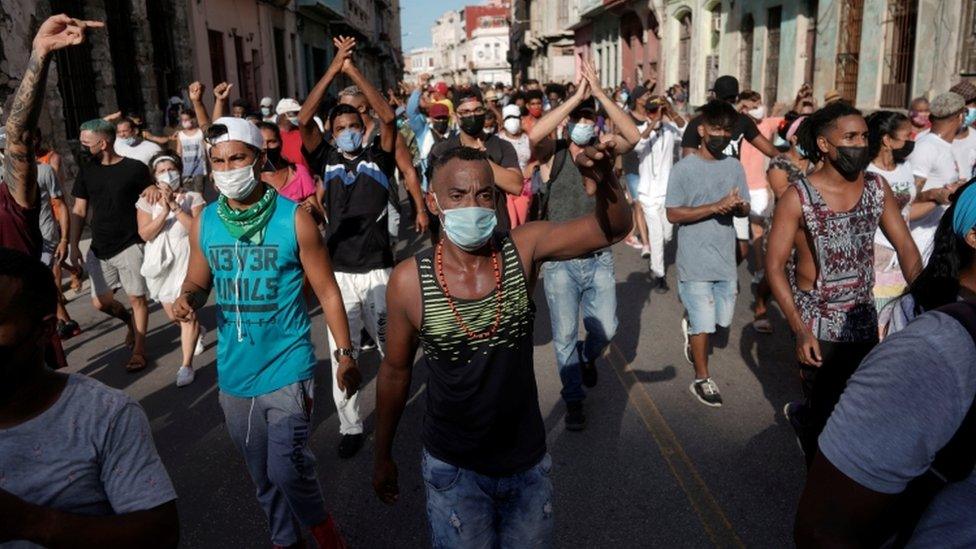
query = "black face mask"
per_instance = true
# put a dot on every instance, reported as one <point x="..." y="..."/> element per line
<point x="86" y="156"/>
<point x="716" y="145"/>
<point x="472" y="125"/>
<point x="851" y="161"/>
<point x="439" y="126"/>
<point x="274" y="159"/>
<point x="900" y="155"/>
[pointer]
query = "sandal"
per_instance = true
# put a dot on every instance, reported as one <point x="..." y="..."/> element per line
<point x="136" y="363"/>
<point x="762" y="325"/>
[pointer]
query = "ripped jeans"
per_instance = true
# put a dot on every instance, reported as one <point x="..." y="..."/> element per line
<point x="271" y="431"/>
<point x="474" y="511"/>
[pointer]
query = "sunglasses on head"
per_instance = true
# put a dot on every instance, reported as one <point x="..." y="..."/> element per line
<point x="215" y="131"/>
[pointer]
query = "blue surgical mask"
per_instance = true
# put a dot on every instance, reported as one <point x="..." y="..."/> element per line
<point x="293" y="120"/>
<point x="349" y="140"/>
<point x="468" y="228"/>
<point x="128" y="141"/>
<point x="624" y="96"/>
<point x="801" y="152"/>
<point x="581" y="134"/>
<point x="970" y="117"/>
<point x="266" y="111"/>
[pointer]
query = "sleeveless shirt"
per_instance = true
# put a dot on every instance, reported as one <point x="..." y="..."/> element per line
<point x="263" y="332"/>
<point x="482" y="402"/>
<point x="840" y="306"/>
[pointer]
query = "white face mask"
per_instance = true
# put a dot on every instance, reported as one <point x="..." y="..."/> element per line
<point x="237" y="183"/>
<point x="513" y="125"/>
<point x="170" y="178"/>
<point x="187" y="124"/>
<point x="758" y="113"/>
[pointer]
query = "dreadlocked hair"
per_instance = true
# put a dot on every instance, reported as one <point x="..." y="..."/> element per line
<point x="819" y="122"/>
<point x="938" y="283"/>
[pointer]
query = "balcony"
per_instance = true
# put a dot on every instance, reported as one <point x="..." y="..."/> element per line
<point x="333" y="9"/>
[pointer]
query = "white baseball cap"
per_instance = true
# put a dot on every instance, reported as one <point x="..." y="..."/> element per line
<point x="266" y="102"/>
<point x="287" y="105"/>
<point x="238" y="129"/>
<point x="511" y="111"/>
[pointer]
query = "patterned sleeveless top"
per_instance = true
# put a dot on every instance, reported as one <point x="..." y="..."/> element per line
<point x="482" y="403"/>
<point x="840" y="307"/>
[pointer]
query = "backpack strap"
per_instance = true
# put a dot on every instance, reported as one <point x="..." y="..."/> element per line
<point x="558" y="161"/>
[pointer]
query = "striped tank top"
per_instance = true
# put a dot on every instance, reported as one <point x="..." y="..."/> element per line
<point x="482" y="404"/>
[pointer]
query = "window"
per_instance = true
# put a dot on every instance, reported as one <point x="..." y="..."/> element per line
<point x="899" y="52"/>
<point x="218" y="68"/>
<point x="849" y="48"/>
<point x="562" y="13"/>
<point x="684" y="47"/>
<point x="128" y="84"/>
<point x="281" y="65"/>
<point x="745" y="52"/>
<point x="75" y="75"/>
<point x="245" y="85"/>
<point x="967" y="55"/>
<point x="811" y="40"/>
<point x="773" y="21"/>
<point x="168" y="82"/>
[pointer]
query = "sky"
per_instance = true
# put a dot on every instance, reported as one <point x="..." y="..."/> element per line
<point x="417" y="16"/>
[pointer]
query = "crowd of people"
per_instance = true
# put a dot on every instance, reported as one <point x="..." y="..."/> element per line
<point x="861" y="229"/>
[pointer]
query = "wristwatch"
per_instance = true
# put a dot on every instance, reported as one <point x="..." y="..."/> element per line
<point x="341" y="352"/>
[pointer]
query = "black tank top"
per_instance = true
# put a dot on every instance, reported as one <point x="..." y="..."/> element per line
<point x="482" y="402"/>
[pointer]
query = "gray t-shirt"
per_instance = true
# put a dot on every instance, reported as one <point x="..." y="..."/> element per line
<point x="901" y="406"/>
<point x="564" y="195"/>
<point x="706" y="249"/>
<point x="47" y="182"/>
<point x="91" y="453"/>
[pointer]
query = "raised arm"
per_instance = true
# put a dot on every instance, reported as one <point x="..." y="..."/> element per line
<point x="20" y="166"/>
<point x="626" y="135"/>
<point x="195" y="92"/>
<point x="411" y="181"/>
<point x="221" y="92"/>
<point x="388" y="131"/>
<point x="396" y="369"/>
<point x="311" y="136"/>
<point x="609" y="223"/>
<point x="544" y="127"/>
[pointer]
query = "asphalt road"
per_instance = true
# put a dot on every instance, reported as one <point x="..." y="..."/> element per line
<point x="654" y="467"/>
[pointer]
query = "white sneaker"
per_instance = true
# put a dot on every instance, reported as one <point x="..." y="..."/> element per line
<point x="199" y="348"/>
<point x="184" y="376"/>
<point x="687" y="346"/>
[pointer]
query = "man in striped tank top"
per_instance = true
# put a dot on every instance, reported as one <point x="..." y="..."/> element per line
<point x="468" y="303"/>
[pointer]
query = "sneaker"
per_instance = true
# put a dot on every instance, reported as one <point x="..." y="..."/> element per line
<point x="645" y="252"/>
<point x="633" y="242"/>
<point x="587" y="369"/>
<point x="184" y="376"/>
<point x="575" y="418"/>
<point x="660" y="285"/>
<point x="366" y="342"/>
<point x="350" y="444"/>
<point x="68" y="329"/>
<point x="199" y="348"/>
<point x="684" y="333"/>
<point x="706" y="391"/>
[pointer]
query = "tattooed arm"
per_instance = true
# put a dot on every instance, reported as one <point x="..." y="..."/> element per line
<point x="20" y="168"/>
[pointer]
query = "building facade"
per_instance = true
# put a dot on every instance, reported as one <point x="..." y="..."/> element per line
<point x="470" y="45"/>
<point x="876" y="53"/>
<point x="418" y="61"/>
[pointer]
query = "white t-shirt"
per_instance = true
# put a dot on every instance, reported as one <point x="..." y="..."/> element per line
<point x="521" y="145"/>
<point x="933" y="160"/>
<point x="964" y="149"/>
<point x="655" y="156"/>
<point x="902" y="183"/>
<point x="143" y="152"/>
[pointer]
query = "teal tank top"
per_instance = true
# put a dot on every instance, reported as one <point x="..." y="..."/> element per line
<point x="264" y="335"/>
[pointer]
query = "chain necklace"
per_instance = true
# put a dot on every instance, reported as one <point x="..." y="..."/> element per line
<point x="450" y="298"/>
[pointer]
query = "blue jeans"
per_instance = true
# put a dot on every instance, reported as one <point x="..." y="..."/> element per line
<point x="571" y="285"/>
<point x="271" y="431"/>
<point x="709" y="304"/>
<point x="473" y="511"/>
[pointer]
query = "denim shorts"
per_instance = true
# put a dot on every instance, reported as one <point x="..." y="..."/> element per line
<point x="633" y="185"/>
<point x="709" y="304"/>
<point x="467" y="509"/>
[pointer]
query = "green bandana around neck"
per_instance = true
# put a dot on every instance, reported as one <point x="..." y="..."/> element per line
<point x="248" y="224"/>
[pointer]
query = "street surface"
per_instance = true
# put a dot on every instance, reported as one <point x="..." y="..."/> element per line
<point x="654" y="467"/>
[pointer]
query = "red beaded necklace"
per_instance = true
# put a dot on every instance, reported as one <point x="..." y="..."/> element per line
<point x="450" y="299"/>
